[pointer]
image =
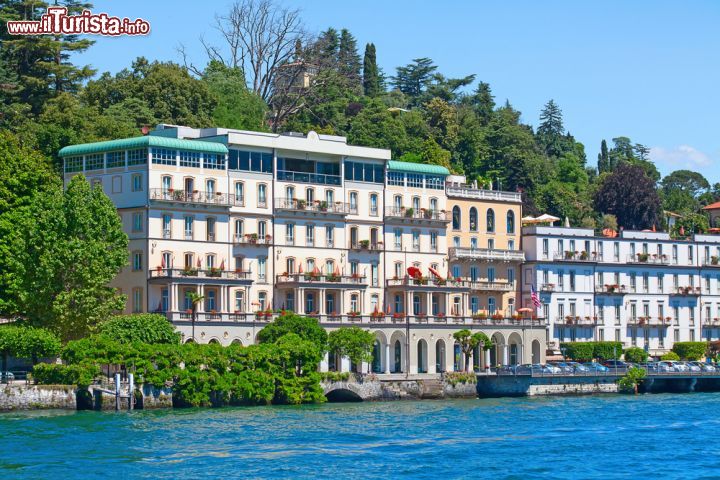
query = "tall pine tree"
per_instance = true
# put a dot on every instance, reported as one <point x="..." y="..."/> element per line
<point x="371" y="75"/>
<point x="349" y="60"/>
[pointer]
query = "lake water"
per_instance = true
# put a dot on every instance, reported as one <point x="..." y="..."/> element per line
<point x="604" y="437"/>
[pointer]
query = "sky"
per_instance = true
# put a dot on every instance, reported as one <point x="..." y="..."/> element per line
<point x="647" y="70"/>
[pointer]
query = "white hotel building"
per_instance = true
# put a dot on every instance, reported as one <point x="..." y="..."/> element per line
<point x="257" y="222"/>
<point x="640" y="288"/>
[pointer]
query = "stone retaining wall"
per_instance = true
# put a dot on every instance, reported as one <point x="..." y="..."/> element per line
<point x="18" y="396"/>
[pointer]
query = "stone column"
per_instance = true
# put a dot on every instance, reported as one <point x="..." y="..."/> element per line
<point x="505" y="351"/>
<point x="387" y="357"/>
<point x="321" y="299"/>
<point x="324" y="362"/>
<point x="344" y="364"/>
<point x="487" y="358"/>
<point x="201" y="292"/>
<point x="300" y="307"/>
<point x="409" y="304"/>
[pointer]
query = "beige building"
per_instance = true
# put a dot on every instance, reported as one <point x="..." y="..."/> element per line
<point x="259" y="222"/>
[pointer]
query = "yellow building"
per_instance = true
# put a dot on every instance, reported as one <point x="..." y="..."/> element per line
<point x="484" y="245"/>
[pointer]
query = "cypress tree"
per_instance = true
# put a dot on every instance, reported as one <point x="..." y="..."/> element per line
<point x="371" y="75"/>
<point x="349" y="59"/>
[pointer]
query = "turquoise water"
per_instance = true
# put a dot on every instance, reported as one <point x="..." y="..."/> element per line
<point x="604" y="437"/>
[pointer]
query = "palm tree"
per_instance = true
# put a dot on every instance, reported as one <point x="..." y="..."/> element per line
<point x="195" y="298"/>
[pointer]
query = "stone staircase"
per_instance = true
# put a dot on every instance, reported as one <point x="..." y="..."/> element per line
<point x="434" y="388"/>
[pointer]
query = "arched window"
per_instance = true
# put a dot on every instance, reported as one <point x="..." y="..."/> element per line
<point x="473" y="219"/>
<point x="456" y="218"/>
<point x="210" y="187"/>
<point x="490" y="221"/>
<point x="397" y="204"/>
<point x="239" y="230"/>
<point x="290" y="268"/>
<point x="329" y="267"/>
<point x="510" y="222"/>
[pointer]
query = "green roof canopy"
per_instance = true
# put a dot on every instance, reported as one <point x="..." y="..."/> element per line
<point x="396" y="166"/>
<point x="143" y="142"/>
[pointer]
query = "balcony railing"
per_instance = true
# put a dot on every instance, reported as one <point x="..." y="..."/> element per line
<point x="492" y="286"/>
<point x="252" y="239"/>
<point x="649" y="258"/>
<point x="582" y="256"/>
<point x="302" y="177"/>
<point x="686" y="291"/>
<point x="650" y="321"/>
<point x="611" y="289"/>
<point x="192" y="273"/>
<point x="486" y="254"/>
<point x="367" y="246"/>
<point x="428" y="282"/>
<point x="711" y="262"/>
<point x="317" y="206"/>
<point x="547" y="287"/>
<point x="578" y="320"/>
<point x="480" y="194"/>
<point x="316" y="278"/>
<point x="423" y="214"/>
<point x="195" y="196"/>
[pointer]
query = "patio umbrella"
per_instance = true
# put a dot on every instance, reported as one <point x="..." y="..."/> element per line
<point x="222" y="264"/>
<point x="316" y="271"/>
<point x="300" y="270"/>
<point x="524" y="310"/>
<point x="414" y="272"/>
<point x="337" y="271"/>
<point x="435" y="272"/>
<point x="199" y="263"/>
<point x="162" y="262"/>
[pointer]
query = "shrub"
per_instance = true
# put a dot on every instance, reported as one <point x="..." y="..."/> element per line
<point x="607" y="350"/>
<point x="690" y="350"/>
<point x="143" y="327"/>
<point x="352" y="342"/>
<point x="335" y="376"/>
<point x="632" y="379"/>
<point x="670" y="356"/>
<point x="578" y="350"/>
<point x="453" y="378"/>
<point x="55" y="374"/>
<point x="635" y="355"/>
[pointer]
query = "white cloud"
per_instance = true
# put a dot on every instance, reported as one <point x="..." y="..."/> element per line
<point x="682" y="156"/>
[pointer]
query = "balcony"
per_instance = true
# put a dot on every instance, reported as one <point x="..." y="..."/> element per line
<point x="316" y="208"/>
<point x="489" y="254"/>
<point x="649" y="259"/>
<point x="686" y="291"/>
<point x="480" y="194"/>
<point x="580" y="321"/>
<point x="411" y="215"/>
<point x="547" y="287"/>
<point x="303" y="177"/>
<point x="195" y="197"/>
<point x="366" y="246"/>
<point x="582" y="256"/>
<point x="252" y="239"/>
<point x="195" y="276"/>
<point x="649" y="321"/>
<point x="711" y="262"/>
<point x="611" y="289"/>
<point x="427" y="283"/>
<point x="491" y="286"/>
<point x="311" y="279"/>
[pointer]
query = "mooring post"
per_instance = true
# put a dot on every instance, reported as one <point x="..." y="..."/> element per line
<point x="131" y="396"/>
<point x="117" y="392"/>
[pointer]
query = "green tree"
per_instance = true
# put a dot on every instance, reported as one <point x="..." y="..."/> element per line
<point x="27" y="342"/>
<point x="195" y="299"/>
<point x="42" y="63"/>
<point x="413" y="78"/>
<point x="372" y="82"/>
<point x="305" y="327"/>
<point x="632" y="380"/>
<point x="630" y="195"/>
<point x="690" y="350"/>
<point x="148" y="328"/>
<point x="349" y="60"/>
<point x="237" y="107"/>
<point x="352" y="342"/>
<point x="681" y="191"/>
<point x="469" y="341"/>
<point x="604" y="164"/>
<point x="66" y="252"/>
<point x="551" y="129"/>
<point x="635" y="355"/>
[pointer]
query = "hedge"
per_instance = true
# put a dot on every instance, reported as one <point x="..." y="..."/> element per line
<point x="590" y="350"/>
<point x="635" y="355"/>
<point x="55" y="374"/>
<point x="670" y="356"/>
<point x="690" y="350"/>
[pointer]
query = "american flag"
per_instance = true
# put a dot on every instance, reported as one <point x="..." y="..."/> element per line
<point x="535" y="297"/>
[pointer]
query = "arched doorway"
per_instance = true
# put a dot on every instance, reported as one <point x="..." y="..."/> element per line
<point x="377" y="357"/>
<point x="440" y="356"/>
<point x="497" y="352"/>
<point x="515" y="349"/>
<point x="422" y="353"/>
<point x="457" y="358"/>
<point x="535" y="351"/>
<point x="477" y="355"/>
<point x="397" y="357"/>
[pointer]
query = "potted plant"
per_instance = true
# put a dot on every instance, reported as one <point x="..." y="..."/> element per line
<point x="214" y="272"/>
<point x="301" y="204"/>
<point x="364" y="244"/>
<point x="643" y="257"/>
<point x="323" y="206"/>
<point x="253" y="237"/>
<point x="409" y="213"/>
<point x="584" y="255"/>
<point x="268" y="238"/>
<point x="569" y="254"/>
<point x="569" y="320"/>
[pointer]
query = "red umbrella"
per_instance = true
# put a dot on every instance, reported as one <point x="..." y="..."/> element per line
<point x="316" y="271"/>
<point x="162" y="262"/>
<point x="337" y="270"/>
<point x="414" y="272"/>
<point x="436" y="273"/>
<point x="222" y="264"/>
<point x="300" y="270"/>
<point x="199" y="263"/>
<point x="524" y="310"/>
<point x="388" y="310"/>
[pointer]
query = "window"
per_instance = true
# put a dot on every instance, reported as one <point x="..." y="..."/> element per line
<point x="354" y="268"/>
<point x="329" y="196"/>
<point x="456" y="242"/>
<point x="545" y="248"/>
<point x="117" y="182"/>
<point x="363" y="172"/>
<point x="137" y="261"/>
<point x="262" y="300"/>
<point x="473" y="219"/>
<point x="354" y="237"/>
<point x="354" y="307"/>
<point x="661" y="282"/>
<point x="511" y="245"/>
<point x="374" y="274"/>
<point x="491" y="243"/>
<point x="210" y="229"/>
<point x="262" y="195"/>
<point x="373" y="204"/>
<point x="73" y="164"/>
<point x="398" y="270"/>
<point x="309" y="194"/>
<point x="329" y="267"/>
<point x="433" y="241"/>
<point x="166" y="225"/>
<point x="290" y="233"/>
<point x="474" y="305"/>
<point x="239" y="263"/>
<point x="416" y="240"/>
<point x="210" y="187"/>
<point x="137" y="156"/>
<point x="262" y="229"/>
<point x="94" y="162"/>
<point x="414" y="180"/>
<point x="456" y="271"/>
<point x="239" y="193"/>
<point x="510" y="221"/>
<point x="166" y="184"/>
<point x="209" y="261"/>
<point x="290" y="265"/>
<point x="189" y="221"/>
<point x="163" y="156"/>
<point x="396" y="178"/>
<point x="456" y="220"/>
<point x="310" y="264"/>
<point x="398" y="239"/>
<point x="433" y="205"/>
<point x="250" y="161"/>
<point x="645" y="282"/>
<point x="189" y="257"/>
<point x="490" y="220"/>
<point x="137" y="222"/>
<point x="491" y="305"/>
<point x="137" y="182"/>
<point x="491" y="274"/>
<point x="310" y="235"/>
<point x="214" y="161"/>
<point x="239" y="301"/>
<point x="239" y="230"/>
<point x="511" y="275"/>
<point x="353" y="202"/>
<point x="190" y="159"/>
<point x="262" y="270"/>
<point x="137" y="300"/>
<point x="166" y="260"/>
<point x="329" y="235"/>
<point x="473" y="243"/>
